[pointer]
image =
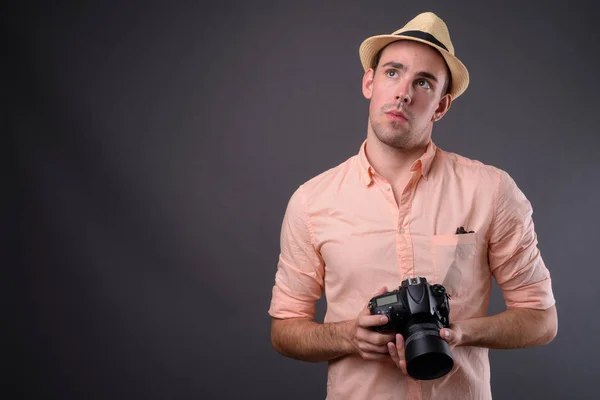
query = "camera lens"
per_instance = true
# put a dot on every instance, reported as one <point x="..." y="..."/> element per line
<point x="427" y="354"/>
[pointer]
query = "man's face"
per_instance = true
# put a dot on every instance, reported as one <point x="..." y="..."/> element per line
<point x="406" y="94"/>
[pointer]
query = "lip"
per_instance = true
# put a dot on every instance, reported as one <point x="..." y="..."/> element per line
<point x="397" y="115"/>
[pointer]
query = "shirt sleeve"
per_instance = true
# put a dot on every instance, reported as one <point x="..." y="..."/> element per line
<point x="514" y="258"/>
<point x="300" y="269"/>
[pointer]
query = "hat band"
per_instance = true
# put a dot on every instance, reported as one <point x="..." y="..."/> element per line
<point x="425" y="36"/>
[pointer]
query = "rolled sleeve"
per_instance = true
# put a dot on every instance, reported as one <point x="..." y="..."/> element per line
<point x="514" y="258"/>
<point x="300" y="269"/>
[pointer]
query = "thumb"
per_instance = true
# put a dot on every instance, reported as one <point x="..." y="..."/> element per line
<point x="445" y="333"/>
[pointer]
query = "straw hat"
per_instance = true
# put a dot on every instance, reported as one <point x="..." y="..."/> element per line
<point x="426" y="28"/>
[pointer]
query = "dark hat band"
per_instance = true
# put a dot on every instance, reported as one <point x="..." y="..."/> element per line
<point x="424" y="36"/>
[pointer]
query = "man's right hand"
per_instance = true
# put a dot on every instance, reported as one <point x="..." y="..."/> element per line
<point x="369" y="344"/>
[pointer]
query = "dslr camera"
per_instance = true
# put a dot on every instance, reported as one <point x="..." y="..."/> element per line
<point x="418" y="311"/>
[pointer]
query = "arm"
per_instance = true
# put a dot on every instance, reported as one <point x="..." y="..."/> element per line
<point x="307" y="340"/>
<point x="517" y="266"/>
<point x="299" y="283"/>
<point x="510" y="329"/>
<point x="304" y="339"/>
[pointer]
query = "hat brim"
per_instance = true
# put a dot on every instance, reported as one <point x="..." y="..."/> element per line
<point x="460" y="75"/>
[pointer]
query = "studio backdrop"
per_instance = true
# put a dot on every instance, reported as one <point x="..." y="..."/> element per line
<point x="152" y="149"/>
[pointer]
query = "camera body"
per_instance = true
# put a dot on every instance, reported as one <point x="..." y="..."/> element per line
<point x="415" y="299"/>
<point x="418" y="311"/>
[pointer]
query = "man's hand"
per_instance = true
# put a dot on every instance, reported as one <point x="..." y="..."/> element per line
<point x="510" y="329"/>
<point x="452" y="336"/>
<point x="396" y="351"/>
<point x="369" y="344"/>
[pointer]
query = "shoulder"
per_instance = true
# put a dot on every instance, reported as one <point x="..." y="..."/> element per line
<point x="469" y="169"/>
<point x="455" y="160"/>
<point x="324" y="189"/>
<point x="486" y="177"/>
<point x="465" y="171"/>
<point x="331" y="178"/>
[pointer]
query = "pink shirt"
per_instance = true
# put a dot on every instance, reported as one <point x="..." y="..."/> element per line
<point x="344" y="235"/>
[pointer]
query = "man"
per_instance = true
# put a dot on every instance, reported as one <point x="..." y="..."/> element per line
<point x="404" y="208"/>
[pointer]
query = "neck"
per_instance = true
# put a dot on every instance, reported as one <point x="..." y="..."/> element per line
<point x="391" y="162"/>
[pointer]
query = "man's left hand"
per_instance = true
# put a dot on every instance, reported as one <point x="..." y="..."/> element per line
<point x="452" y="335"/>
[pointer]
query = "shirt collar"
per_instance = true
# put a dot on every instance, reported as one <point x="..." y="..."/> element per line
<point x="423" y="163"/>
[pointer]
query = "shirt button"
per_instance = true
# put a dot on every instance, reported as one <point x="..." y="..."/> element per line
<point x="401" y="230"/>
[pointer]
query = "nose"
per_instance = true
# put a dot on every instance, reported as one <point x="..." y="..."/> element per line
<point x="404" y="99"/>
<point x="403" y="93"/>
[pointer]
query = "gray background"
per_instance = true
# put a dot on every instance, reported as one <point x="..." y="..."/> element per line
<point x="151" y="150"/>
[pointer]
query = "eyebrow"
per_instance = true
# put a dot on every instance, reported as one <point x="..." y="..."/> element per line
<point x="423" y="74"/>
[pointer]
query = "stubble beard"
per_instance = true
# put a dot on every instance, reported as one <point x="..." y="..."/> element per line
<point x="398" y="135"/>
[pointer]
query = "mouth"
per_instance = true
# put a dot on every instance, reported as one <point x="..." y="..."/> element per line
<point x="396" y="115"/>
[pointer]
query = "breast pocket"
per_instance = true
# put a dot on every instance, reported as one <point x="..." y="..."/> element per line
<point x="453" y="258"/>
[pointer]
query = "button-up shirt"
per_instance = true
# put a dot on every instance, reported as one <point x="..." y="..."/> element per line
<point x="345" y="235"/>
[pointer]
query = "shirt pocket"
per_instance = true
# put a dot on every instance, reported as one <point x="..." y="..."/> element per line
<point x="453" y="258"/>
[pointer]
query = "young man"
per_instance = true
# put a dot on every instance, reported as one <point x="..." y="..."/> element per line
<point x="395" y="211"/>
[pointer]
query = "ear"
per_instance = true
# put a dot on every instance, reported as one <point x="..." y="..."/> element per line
<point x="367" y="83"/>
<point x="443" y="107"/>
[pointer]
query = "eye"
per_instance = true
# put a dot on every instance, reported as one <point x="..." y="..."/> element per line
<point x="424" y="84"/>
<point x="391" y="73"/>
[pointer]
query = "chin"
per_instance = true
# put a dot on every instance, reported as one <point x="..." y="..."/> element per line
<point x="393" y="138"/>
<point x="398" y="142"/>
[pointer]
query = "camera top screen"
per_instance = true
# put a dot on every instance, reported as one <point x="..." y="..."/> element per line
<point x="382" y="301"/>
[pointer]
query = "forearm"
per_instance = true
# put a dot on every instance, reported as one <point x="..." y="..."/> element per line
<point x="307" y="340"/>
<point x="513" y="328"/>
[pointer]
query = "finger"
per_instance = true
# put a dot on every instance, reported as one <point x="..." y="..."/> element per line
<point x="446" y="334"/>
<point x="400" y="345"/>
<point x="378" y="339"/>
<point x="393" y="353"/>
<point x="396" y="357"/>
<point x="367" y="321"/>
<point x="401" y="353"/>
<point x="371" y="348"/>
<point x="403" y="367"/>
